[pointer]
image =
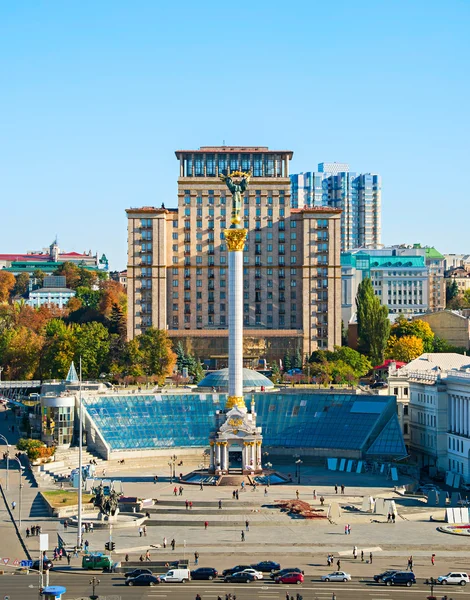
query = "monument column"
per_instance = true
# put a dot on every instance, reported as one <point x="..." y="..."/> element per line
<point x="212" y="457"/>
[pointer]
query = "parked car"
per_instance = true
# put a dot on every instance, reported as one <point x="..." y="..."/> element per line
<point x="240" y="577"/>
<point x="337" y="576"/>
<point x="97" y="561"/>
<point x="233" y="570"/>
<point x="454" y="578"/>
<point x="47" y="565"/>
<point x="144" y="579"/>
<point x="137" y="572"/>
<point x="256" y="574"/>
<point x="379" y="578"/>
<point x="379" y="385"/>
<point x="400" y="578"/>
<point x="267" y="566"/>
<point x="285" y="571"/>
<point x="204" y="573"/>
<point x="176" y="576"/>
<point x="297" y="578"/>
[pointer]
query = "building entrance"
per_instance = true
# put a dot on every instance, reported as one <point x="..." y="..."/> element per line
<point x="235" y="459"/>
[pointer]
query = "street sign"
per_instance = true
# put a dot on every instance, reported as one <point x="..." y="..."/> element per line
<point x="5" y="561"/>
<point x="26" y="563"/>
<point x="16" y="562"/>
<point x="43" y="541"/>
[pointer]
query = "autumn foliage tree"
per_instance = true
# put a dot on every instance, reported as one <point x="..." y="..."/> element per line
<point x="7" y="283"/>
<point x="405" y="348"/>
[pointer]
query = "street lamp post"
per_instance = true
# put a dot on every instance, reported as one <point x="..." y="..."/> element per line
<point x="21" y="485"/>
<point x="431" y="582"/>
<point x="3" y="438"/>
<point x="298" y="463"/>
<point x="269" y="466"/>
<point x="80" y="458"/>
<point x="94" y="583"/>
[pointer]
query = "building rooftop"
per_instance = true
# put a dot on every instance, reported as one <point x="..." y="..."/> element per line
<point x="435" y="361"/>
<point x="242" y="149"/>
<point x="219" y="380"/>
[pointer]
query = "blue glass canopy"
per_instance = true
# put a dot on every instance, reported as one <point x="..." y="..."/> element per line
<point x="251" y="380"/>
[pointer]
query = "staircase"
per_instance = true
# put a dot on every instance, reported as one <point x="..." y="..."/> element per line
<point x="65" y="461"/>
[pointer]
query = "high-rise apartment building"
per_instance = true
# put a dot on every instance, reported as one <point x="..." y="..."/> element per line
<point x="357" y="195"/>
<point x="177" y="275"/>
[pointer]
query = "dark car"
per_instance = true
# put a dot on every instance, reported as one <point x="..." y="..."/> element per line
<point x="380" y="577"/>
<point x="283" y="572"/>
<point x="235" y="570"/>
<point x="144" y="579"/>
<point x="379" y="385"/>
<point x="267" y="566"/>
<point x="137" y="572"/>
<point x="400" y="578"/>
<point x="47" y="565"/>
<point x="204" y="573"/>
<point x="240" y="577"/>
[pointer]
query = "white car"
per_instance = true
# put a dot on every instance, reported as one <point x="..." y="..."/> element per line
<point x="337" y="576"/>
<point x="254" y="572"/>
<point x="454" y="578"/>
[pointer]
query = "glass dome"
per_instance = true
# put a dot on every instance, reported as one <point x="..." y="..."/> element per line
<point x="251" y="380"/>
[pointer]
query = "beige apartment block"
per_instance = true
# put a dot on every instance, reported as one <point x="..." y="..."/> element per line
<point x="177" y="274"/>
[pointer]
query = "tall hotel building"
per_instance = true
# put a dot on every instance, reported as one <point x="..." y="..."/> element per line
<point x="357" y="195"/>
<point x="177" y="260"/>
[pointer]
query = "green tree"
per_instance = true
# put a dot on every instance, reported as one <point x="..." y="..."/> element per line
<point x="452" y="290"/>
<point x="359" y="363"/>
<point x="276" y="373"/>
<point x="92" y="346"/>
<point x="71" y="272"/>
<point x="297" y="359"/>
<point x="180" y="356"/>
<point x="372" y="322"/>
<point x="158" y="359"/>
<point x="21" y="285"/>
<point x="38" y="277"/>
<point x="21" y="355"/>
<point x="340" y="372"/>
<point x="89" y="298"/>
<point x="287" y="362"/>
<point x="58" y="351"/>
<point x="117" y="322"/>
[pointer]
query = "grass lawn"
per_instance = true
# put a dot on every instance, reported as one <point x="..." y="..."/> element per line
<point x="60" y="498"/>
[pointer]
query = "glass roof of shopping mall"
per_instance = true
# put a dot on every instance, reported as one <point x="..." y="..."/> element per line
<point x="324" y="421"/>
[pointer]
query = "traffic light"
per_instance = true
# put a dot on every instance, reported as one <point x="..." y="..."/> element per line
<point x="112" y="546"/>
<point x="106" y="546"/>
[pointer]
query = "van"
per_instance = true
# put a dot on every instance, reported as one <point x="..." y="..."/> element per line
<point x="176" y="576"/>
<point x="97" y="561"/>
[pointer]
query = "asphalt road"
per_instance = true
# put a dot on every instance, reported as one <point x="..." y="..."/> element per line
<point x="25" y="587"/>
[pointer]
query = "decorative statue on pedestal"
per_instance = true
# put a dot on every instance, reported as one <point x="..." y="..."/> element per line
<point x="106" y="504"/>
<point x="237" y="190"/>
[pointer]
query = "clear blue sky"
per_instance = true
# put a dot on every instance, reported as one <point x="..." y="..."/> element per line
<point x="95" y="96"/>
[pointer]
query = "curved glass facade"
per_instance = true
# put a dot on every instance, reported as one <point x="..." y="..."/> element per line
<point x="324" y="421"/>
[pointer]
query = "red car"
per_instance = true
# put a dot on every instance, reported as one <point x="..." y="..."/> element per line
<point x="290" y="578"/>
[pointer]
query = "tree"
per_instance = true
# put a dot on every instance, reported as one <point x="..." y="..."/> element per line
<point x="372" y="322"/>
<point x="276" y="373"/>
<point x="419" y="328"/>
<point x="404" y="349"/>
<point x="452" y="290"/>
<point x="158" y="359"/>
<point x="92" y="346"/>
<point x="58" y="351"/>
<point x="440" y="345"/>
<point x="89" y="298"/>
<point x="117" y="322"/>
<point x="21" y="285"/>
<point x="286" y="361"/>
<point x="180" y="356"/>
<point x="38" y="277"/>
<point x="359" y="363"/>
<point x="7" y="283"/>
<point x="112" y="294"/>
<point x="22" y="354"/>
<point x="71" y="272"/>
<point x="297" y="359"/>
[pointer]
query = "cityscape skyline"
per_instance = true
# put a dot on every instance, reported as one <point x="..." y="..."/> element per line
<point x="99" y="97"/>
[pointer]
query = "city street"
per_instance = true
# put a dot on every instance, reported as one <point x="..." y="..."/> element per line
<point x="112" y="588"/>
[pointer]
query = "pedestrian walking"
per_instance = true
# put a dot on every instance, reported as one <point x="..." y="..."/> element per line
<point x="190" y="505"/>
<point x="196" y="558"/>
<point x="198" y="597"/>
<point x="27" y="532"/>
<point x="297" y="494"/>
<point x="147" y="556"/>
<point x="287" y="596"/>
<point x="433" y="558"/>
<point x="141" y="531"/>
<point x="145" y="531"/>
<point x="86" y="544"/>
<point x="175" y="491"/>
<point x="164" y="542"/>
<point x="181" y="489"/>
<point x="155" y="479"/>
<point x="345" y="530"/>
<point x="389" y="518"/>
<point x="265" y="491"/>
<point x="393" y="518"/>
<point x="201" y="486"/>
<point x="314" y="494"/>
<point x="322" y="500"/>
<point x="247" y="525"/>
<point x="220" y="503"/>
<point x="243" y="536"/>
<point x="336" y="489"/>
<point x="349" y="529"/>
<point x="91" y="528"/>
<point x="362" y="555"/>
<point x="355" y="552"/>
<point x="236" y="495"/>
<point x="206" y="524"/>
<point x="126" y="558"/>
<point x="69" y="557"/>
<point x="173" y="544"/>
<point x="338" y="564"/>
<point x="342" y="488"/>
<point x="187" y="504"/>
<point x="370" y="558"/>
<point x="13" y="505"/>
<point x="410" y="563"/>
<point x="333" y="597"/>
